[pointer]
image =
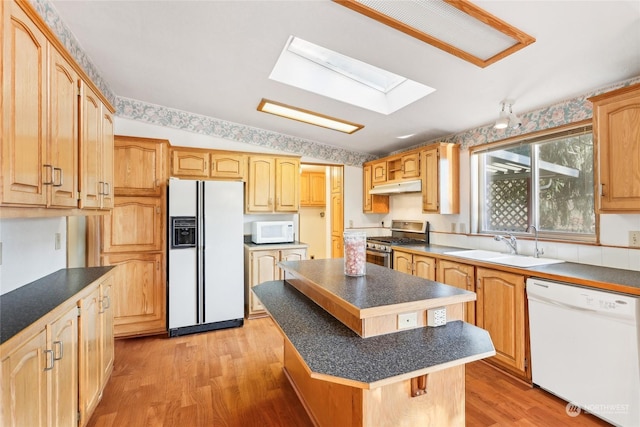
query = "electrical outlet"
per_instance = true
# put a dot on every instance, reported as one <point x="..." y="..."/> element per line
<point x="350" y="223"/>
<point x="437" y="316"/>
<point x="57" y="241"/>
<point x="407" y="320"/>
<point x="634" y="239"/>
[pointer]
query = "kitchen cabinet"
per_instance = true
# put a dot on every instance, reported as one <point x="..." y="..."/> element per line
<point x="273" y="184"/>
<point x="40" y="376"/>
<point x="440" y="176"/>
<point x="196" y="163"/>
<point x="414" y="264"/>
<point x="379" y="172"/>
<point x="189" y="164"/>
<point x="133" y="236"/>
<point x="261" y="265"/>
<point x="140" y="166"/>
<point x="95" y="346"/>
<point x="461" y="276"/>
<point x="403" y="167"/>
<point x="228" y="166"/>
<point x="313" y="189"/>
<point x="372" y="203"/>
<point x="616" y="115"/>
<point x="500" y="309"/>
<point x="337" y="211"/>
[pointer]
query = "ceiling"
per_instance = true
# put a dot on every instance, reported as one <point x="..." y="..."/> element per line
<point x="214" y="58"/>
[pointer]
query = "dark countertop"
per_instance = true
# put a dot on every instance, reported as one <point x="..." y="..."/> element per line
<point x="330" y="348"/>
<point x="380" y="286"/>
<point x="25" y="305"/>
<point x="615" y="279"/>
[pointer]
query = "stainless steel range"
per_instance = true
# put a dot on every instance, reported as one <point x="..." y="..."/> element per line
<point x="403" y="232"/>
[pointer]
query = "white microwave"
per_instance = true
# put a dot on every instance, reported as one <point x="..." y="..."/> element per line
<point x="272" y="232"/>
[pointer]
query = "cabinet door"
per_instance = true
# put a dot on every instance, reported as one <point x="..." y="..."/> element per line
<point x="106" y="160"/>
<point x="91" y="185"/>
<point x="379" y="173"/>
<point x="139" y="167"/>
<point x="501" y="311"/>
<point x="24" y="97"/>
<point x="90" y="342"/>
<point x="63" y="125"/>
<point x="261" y="184"/>
<point x="461" y="276"/>
<point x="106" y="327"/>
<point x="24" y="384"/>
<point x="263" y="268"/>
<point x="430" y="202"/>
<point x="139" y="298"/>
<point x="403" y="262"/>
<point x="337" y="250"/>
<point x="367" y="185"/>
<point x="194" y="164"/>
<point x="287" y="189"/>
<point x="64" y="376"/>
<point x="424" y="267"/>
<point x="291" y="255"/>
<point x="231" y="166"/>
<point x="618" y="145"/>
<point x="134" y="224"/>
<point x="410" y="166"/>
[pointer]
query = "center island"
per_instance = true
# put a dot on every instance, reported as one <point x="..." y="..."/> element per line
<point x="359" y="352"/>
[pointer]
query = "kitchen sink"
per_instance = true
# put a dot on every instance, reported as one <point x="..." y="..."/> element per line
<point x="504" y="259"/>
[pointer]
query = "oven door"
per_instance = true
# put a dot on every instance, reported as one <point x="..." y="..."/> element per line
<point x="379" y="257"/>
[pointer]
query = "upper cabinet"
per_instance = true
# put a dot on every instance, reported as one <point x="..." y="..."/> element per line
<point x="372" y="203"/>
<point x="140" y="167"/>
<point x="440" y="165"/>
<point x="273" y="184"/>
<point x="208" y="164"/>
<point x="616" y="116"/>
<point x="42" y="163"/>
<point x="313" y="188"/>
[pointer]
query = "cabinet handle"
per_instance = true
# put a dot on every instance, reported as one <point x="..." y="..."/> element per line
<point x="270" y="201"/>
<point x="205" y="167"/>
<point x="602" y="190"/>
<point x="108" y="186"/>
<point x="60" y="351"/>
<point x="50" y="174"/>
<point x="108" y="302"/>
<point x="468" y="282"/>
<point x="60" y="175"/>
<point x="100" y="187"/>
<point x="50" y="360"/>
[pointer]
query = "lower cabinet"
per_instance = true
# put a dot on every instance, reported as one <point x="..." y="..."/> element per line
<point x="461" y="276"/>
<point x="96" y="346"/>
<point x="262" y="266"/>
<point x="40" y="376"/>
<point x="500" y="309"/>
<point x="416" y="265"/>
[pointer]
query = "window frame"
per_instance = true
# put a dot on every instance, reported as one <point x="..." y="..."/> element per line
<point x="478" y="180"/>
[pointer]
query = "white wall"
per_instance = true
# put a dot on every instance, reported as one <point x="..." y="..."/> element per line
<point x="28" y="250"/>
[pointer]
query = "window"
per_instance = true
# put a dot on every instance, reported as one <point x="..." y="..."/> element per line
<point x="546" y="181"/>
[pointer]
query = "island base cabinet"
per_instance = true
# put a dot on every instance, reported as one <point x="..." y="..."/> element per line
<point x="333" y="404"/>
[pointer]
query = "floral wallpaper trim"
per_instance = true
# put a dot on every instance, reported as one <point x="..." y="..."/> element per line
<point x="51" y="17"/>
<point x="562" y="113"/>
<point x="163" y="116"/>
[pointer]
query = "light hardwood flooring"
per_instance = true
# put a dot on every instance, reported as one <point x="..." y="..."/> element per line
<point x="234" y="377"/>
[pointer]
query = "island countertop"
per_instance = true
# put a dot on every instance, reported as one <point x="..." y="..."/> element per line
<point x="334" y="353"/>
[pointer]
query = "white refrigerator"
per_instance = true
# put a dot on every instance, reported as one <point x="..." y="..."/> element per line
<point x="206" y="257"/>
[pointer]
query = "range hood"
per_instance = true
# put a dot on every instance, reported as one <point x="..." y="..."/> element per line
<point x="396" y="188"/>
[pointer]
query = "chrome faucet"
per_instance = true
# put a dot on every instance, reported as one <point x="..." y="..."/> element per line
<point x="511" y="242"/>
<point x="537" y="252"/>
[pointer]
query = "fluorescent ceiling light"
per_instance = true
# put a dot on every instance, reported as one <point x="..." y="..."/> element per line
<point x="322" y="71"/>
<point x="458" y="27"/>
<point x="307" y="116"/>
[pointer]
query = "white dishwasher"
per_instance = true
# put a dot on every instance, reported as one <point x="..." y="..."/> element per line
<point x="584" y="348"/>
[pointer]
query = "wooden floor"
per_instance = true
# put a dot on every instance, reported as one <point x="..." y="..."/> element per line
<point x="234" y="377"/>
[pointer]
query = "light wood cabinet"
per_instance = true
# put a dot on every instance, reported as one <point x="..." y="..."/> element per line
<point x="313" y="189"/>
<point x="139" y="295"/>
<point x="616" y="116"/>
<point x="40" y="375"/>
<point x="372" y="203"/>
<point x="133" y="236"/>
<point x="189" y="163"/>
<point x="273" y="184"/>
<point x="461" y="276"/>
<point x="139" y="167"/>
<point x="197" y="163"/>
<point x="403" y="167"/>
<point x="500" y="309"/>
<point x="414" y="264"/>
<point x="379" y="172"/>
<point x="440" y="176"/>
<point x="95" y="346"/>
<point x="262" y="266"/>
<point x="228" y="166"/>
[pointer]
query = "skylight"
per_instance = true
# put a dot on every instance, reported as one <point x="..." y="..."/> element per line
<point x="320" y="70"/>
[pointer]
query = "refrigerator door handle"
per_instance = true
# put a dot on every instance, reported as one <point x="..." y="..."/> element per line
<point x="200" y="254"/>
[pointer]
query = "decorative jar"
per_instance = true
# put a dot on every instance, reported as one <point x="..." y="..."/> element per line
<point x="355" y="253"/>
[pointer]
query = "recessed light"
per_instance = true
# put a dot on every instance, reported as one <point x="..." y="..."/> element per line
<point x="306" y="116"/>
<point x="405" y="136"/>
